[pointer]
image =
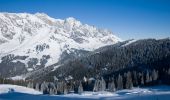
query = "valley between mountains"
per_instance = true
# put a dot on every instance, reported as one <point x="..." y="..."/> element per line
<point x="56" y="56"/>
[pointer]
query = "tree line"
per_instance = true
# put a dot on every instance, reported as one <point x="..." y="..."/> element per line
<point x="126" y="80"/>
<point x="111" y="68"/>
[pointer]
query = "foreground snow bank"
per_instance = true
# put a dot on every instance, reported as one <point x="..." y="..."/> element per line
<point x="13" y="92"/>
<point x="6" y="88"/>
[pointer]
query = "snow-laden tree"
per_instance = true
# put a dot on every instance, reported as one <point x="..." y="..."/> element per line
<point x="60" y="87"/>
<point x="111" y="86"/>
<point x="129" y="83"/>
<point x="147" y="77"/>
<point x="52" y="88"/>
<point x="154" y="75"/>
<point x="103" y="85"/>
<point x="65" y="88"/>
<point x="52" y="91"/>
<point x="119" y="82"/>
<point x="135" y="78"/>
<point x="100" y="85"/>
<point x="96" y="86"/>
<point x="80" y="88"/>
<point x="142" y="80"/>
<point x="37" y="86"/>
<point x="44" y="88"/>
<point x="30" y="85"/>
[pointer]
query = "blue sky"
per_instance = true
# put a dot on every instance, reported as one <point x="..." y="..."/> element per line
<point x="126" y="18"/>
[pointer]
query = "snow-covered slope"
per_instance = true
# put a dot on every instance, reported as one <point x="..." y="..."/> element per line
<point x="147" y="93"/>
<point x="38" y="40"/>
<point x="7" y="88"/>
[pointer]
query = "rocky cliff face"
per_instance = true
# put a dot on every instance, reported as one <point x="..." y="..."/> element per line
<point x="29" y="42"/>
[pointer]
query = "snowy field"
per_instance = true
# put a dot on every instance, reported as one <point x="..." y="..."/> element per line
<point x="13" y="92"/>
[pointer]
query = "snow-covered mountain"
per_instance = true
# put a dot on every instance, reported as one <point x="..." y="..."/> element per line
<point x="32" y="41"/>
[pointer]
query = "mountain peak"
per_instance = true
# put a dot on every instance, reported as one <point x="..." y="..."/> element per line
<point x="40" y="14"/>
<point x="72" y="21"/>
<point x="45" y="39"/>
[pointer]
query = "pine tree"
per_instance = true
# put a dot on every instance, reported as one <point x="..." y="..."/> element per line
<point x="55" y="79"/>
<point x="60" y="87"/>
<point x="129" y="83"/>
<point x="80" y="89"/>
<point x="65" y="89"/>
<point x="150" y="79"/>
<point x="52" y="88"/>
<point x="96" y="86"/>
<point x="142" y="80"/>
<point x="44" y="88"/>
<point x="111" y="86"/>
<point x="119" y="82"/>
<point x="37" y="87"/>
<point x="154" y="75"/>
<point x="147" y="77"/>
<point x="30" y="85"/>
<point x="103" y="85"/>
<point x="51" y="91"/>
<point x="135" y="79"/>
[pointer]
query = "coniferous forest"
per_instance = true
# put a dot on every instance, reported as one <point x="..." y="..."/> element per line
<point x="111" y="68"/>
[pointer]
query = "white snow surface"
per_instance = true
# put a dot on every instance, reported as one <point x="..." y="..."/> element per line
<point x="6" y="88"/>
<point x="21" y="77"/>
<point x="131" y="41"/>
<point x="21" y="33"/>
<point x="147" y="93"/>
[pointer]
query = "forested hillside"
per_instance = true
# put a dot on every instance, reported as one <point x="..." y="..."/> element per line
<point x="123" y="65"/>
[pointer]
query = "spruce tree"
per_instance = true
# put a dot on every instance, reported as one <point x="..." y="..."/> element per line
<point x="44" y="88"/>
<point x="96" y="86"/>
<point x="119" y="82"/>
<point x="135" y="79"/>
<point x="37" y="87"/>
<point x="103" y="85"/>
<point x="142" y="80"/>
<point x="65" y="89"/>
<point x="51" y="91"/>
<point x="129" y="83"/>
<point x="30" y="85"/>
<point x="80" y="88"/>
<point x="154" y="75"/>
<point x="147" y="77"/>
<point x="111" y="86"/>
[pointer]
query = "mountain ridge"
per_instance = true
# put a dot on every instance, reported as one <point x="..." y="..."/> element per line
<point x="34" y="41"/>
